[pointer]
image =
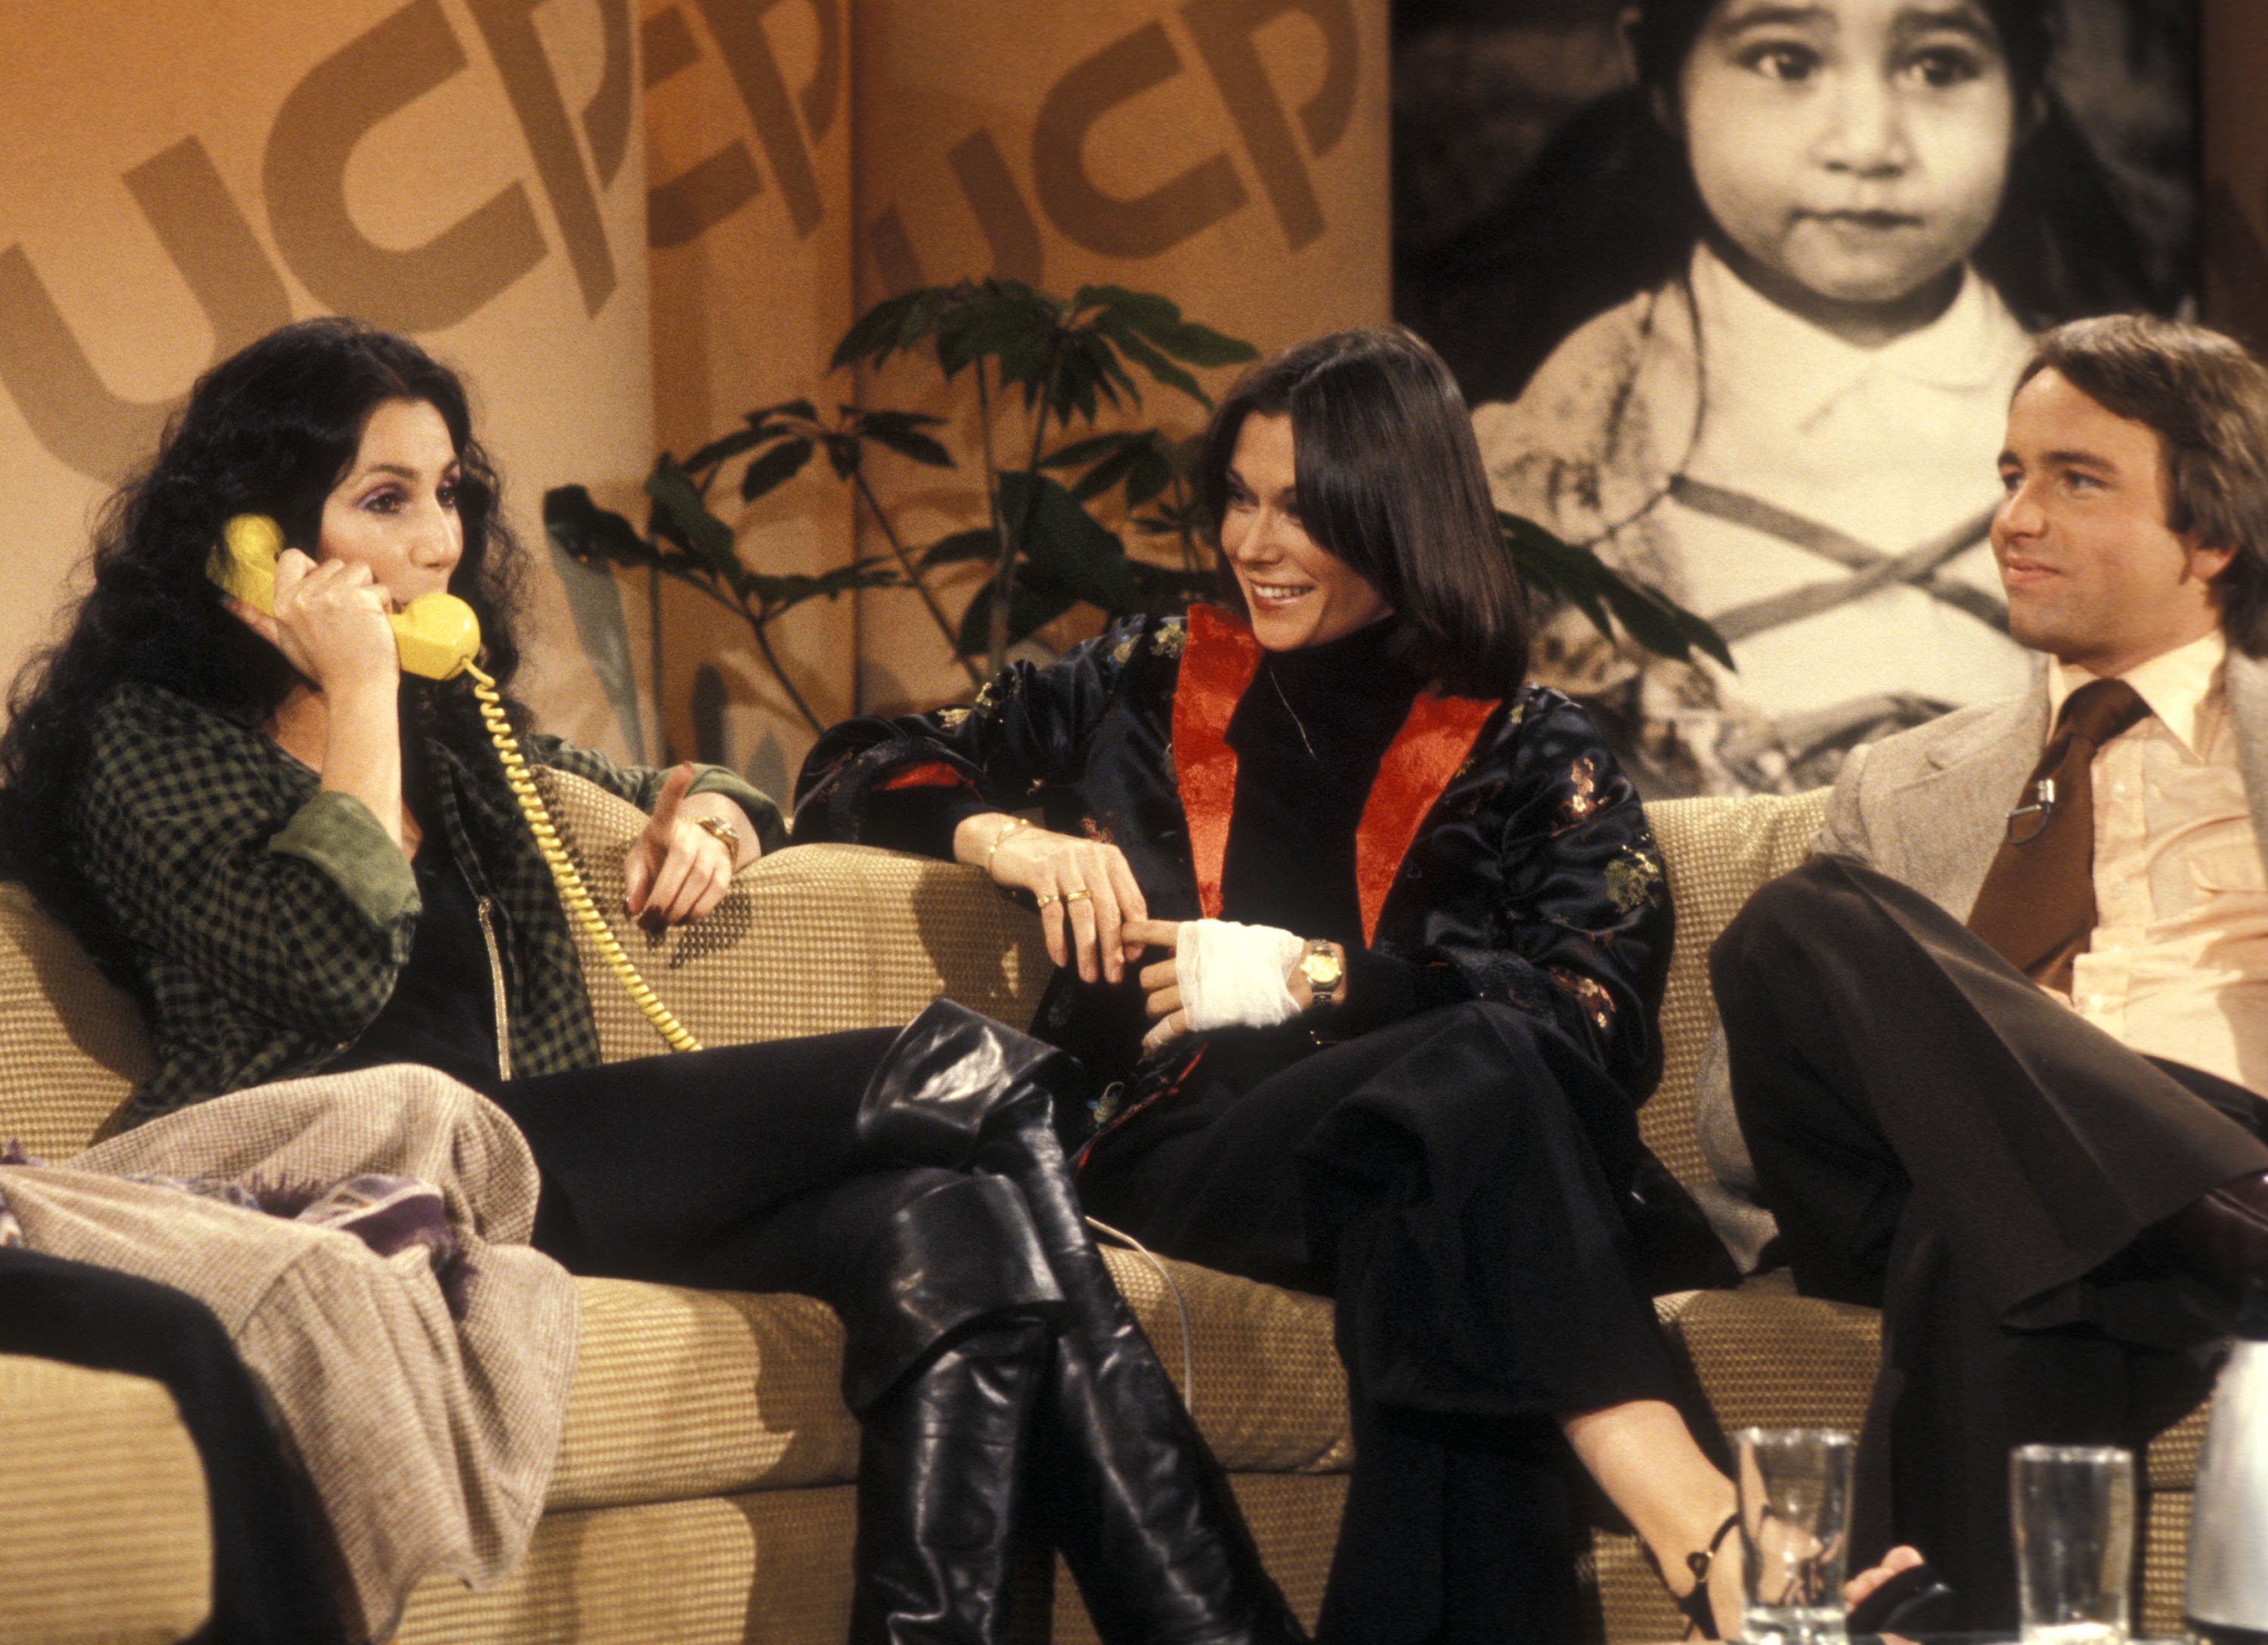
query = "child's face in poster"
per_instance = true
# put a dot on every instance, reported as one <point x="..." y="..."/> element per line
<point x="1854" y="148"/>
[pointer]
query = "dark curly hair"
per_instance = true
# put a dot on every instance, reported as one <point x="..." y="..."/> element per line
<point x="268" y="431"/>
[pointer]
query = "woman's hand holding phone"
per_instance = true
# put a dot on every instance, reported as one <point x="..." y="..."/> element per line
<point x="330" y="622"/>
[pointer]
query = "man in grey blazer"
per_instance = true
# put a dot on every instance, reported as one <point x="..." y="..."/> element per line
<point x="2053" y="1184"/>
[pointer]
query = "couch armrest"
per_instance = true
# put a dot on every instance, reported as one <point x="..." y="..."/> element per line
<point x="811" y="939"/>
<point x="105" y="1534"/>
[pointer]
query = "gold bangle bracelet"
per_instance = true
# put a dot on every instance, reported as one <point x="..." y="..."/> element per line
<point x="1001" y="838"/>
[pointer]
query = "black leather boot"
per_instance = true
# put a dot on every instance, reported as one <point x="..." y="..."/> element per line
<point x="1140" y="1511"/>
<point x="940" y="1464"/>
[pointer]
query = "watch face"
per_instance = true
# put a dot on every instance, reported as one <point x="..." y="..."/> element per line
<point x="1322" y="971"/>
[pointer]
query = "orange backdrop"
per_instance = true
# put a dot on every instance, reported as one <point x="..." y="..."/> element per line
<point x="183" y="179"/>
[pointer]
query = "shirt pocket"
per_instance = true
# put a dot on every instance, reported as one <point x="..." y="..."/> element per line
<point x="2228" y="865"/>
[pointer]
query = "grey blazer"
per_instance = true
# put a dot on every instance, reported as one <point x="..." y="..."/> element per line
<point x="1928" y="807"/>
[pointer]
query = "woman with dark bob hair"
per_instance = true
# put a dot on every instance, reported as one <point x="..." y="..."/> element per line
<point x="1406" y="930"/>
<point x="303" y="860"/>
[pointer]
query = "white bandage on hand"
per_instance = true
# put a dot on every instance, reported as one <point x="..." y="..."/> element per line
<point x="1234" y="975"/>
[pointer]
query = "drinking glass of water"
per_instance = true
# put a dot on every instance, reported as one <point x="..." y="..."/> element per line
<point x="2073" y="1509"/>
<point x="1795" y="1495"/>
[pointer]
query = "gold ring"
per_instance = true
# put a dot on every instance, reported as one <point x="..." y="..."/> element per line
<point x="1079" y="896"/>
<point x="1046" y="897"/>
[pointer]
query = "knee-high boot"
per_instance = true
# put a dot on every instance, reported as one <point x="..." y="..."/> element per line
<point x="1142" y="1513"/>
<point x="941" y="1462"/>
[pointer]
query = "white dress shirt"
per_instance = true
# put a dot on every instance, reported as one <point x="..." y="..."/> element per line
<point x="2178" y="964"/>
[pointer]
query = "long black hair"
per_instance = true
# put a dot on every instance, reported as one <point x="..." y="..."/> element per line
<point x="268" y="431"/>
<point x="1389" y="480"/>
<point x="1609" y="210"/>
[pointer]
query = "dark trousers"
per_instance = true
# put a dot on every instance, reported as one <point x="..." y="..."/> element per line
<point x="739" y="1168"/>
<point x="270" y="1579"/>
<point x="1939" y="1139"/>
<point x="1451" y="1180"/>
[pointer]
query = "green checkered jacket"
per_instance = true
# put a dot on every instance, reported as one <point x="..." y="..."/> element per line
<point x="268" y="919"/>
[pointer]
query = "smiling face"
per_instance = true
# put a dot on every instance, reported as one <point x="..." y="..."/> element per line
<point x="1297" y="592"/>
<point x="395" y="509"/>
<point x="2094" y="576"/>
<point x="1853" y="152"/>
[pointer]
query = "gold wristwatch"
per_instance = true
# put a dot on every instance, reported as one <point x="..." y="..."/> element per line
<point x="1324" y="971"/>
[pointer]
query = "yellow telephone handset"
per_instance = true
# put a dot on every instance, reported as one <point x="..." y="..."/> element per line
<point x="439" y="637"/>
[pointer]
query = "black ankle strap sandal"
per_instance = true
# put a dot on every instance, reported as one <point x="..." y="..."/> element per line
<point x="1700" y="1620"/>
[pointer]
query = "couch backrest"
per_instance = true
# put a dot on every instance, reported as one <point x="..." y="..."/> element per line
<point x="1718" y="850"/>
<point x="812" y="940"/>
<point x="824" y="937"/>
<point x="72" y="1046"/>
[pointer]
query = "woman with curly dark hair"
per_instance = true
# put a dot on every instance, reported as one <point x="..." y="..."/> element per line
<point x="303" y="860"/>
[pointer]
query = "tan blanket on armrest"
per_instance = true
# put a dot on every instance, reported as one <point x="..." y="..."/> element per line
<point x="429" y="1439"/>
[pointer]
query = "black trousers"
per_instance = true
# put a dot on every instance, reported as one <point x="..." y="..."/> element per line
<point x="1940" y="1139"/>
<point x="1451" y="1181"/>
<point x="739" y="1168"/>
<point x="271" y="1582"/>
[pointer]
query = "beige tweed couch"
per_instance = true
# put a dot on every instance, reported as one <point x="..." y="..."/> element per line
<point x="703" y="1487"/>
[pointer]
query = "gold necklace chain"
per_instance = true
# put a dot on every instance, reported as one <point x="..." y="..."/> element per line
<point x="1296" y="724"/>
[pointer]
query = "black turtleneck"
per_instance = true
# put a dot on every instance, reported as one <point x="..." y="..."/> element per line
<point x="1308" y="733"/>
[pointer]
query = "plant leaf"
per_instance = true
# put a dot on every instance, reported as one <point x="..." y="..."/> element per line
<point x="803" y="410"/>
<point x="774" y="468"/>
<point x="1107" y="473"/>
<point x="708" y="539"/>
<point x="978" y="544"/>
<point x="901" y="432"/>
<point x="1065" y="549"/>
<point x="1094" y="447"/>
<point x="893" y="323"/>
<point x="593" y="534"/>
<point x="843" y="455"/>
<point x="1028" y="609"/>
<point x="1131" y="343"/>
<point x="783" y="592"/>
<point x="727" y="446"/>
<point x="1159" y="321"/>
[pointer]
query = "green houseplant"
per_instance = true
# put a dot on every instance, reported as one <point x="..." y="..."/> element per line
<point x="1039" y="368"/>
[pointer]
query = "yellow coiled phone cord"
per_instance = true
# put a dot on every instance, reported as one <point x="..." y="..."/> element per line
<point x="572" y="891"/>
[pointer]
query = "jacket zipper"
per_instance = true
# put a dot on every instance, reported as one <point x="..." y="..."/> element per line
<point x="482" y="904"/>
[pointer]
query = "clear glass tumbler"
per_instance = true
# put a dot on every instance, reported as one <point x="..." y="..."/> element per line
<point x="2073" y="1509"/>
<point x="1795" y="1496"/>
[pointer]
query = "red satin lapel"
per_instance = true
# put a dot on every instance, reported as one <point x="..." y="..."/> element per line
<point x="1418" y="763"/>
<point x="1218" y="663"/>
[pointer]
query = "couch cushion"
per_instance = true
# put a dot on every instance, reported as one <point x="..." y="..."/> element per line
<point x="682" y="1393"/>
<point x="105" y="1534"/>
<point x="777" y="957"/>
<point x="1718" y="850"/>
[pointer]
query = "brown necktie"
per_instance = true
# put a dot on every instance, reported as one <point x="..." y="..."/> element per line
<point x="2037" y="909"/>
